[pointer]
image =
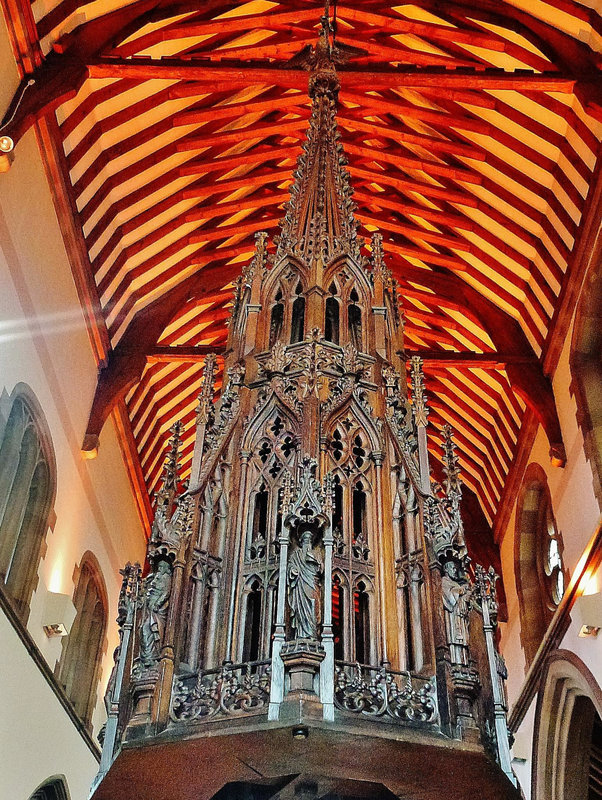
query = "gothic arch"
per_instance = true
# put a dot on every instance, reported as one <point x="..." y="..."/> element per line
<point x="535" y="524"/>
<point x="586" y="370"/>
<point x="359" y="275"/>
<point x="276" y="276"/>
<point x="569" y="705"/>
<point x="27" y="492"/>
<point x="79" y="666"/>
<point x="255" y="430"/>
<point x="54" y="788"/>
<point x="365" y="422"/>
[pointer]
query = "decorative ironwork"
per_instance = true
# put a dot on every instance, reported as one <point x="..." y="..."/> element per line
<point x="230" y="690"/>
<point x="380" y="692"/>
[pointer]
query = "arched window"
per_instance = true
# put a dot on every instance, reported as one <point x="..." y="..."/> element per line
<point x="331" y="319"/>
<point x="27" y="487"/>
<point x="79" y="666"/>
<point x="539" y="571"/>
<point x="52" y="789"/>
<point x="277" y="319"/>
<point x="361" y="609"/>
<point x="298" y="320"/>
<point x="354" y="320"/>
<point x="252" y="624"/>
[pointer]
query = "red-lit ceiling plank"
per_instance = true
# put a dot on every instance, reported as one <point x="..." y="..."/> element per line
<point x="251" y="74"/>
<point x="154" y="394"/>
<point x="60" y="77"/>
<point x="229" y="272"/>
<point x="428" y="335"/>
<point x="207" y="162"/>
<point x="528" y="379"/>
<point x="294" y="129"/>
<point x="426" y="30"/>
<point x="412" y="251"/>
<point x="154" y="446"/>
<point x="487" y="428"/>
<point x="200" y="256"/>
<point x="395" y="52"/>
<point x="106" y="124"/>
<point x="261" y="154"/>
<point x="405" y="184"/>
<point x="384" y="153"/>
<point x="159" y="354"/>
<point x="127" y="360"/>
<point x="90" y="103"/>
<point x="288" y="20"/>
<point x="210" y="112"/>
<point x="209" y="318"/>
<point x="367" y="196"/>
<point x="388" y="103"/>
<point x="116" y="150"/>
<point x="465" y="420"/>
<point x="153" y="451"/>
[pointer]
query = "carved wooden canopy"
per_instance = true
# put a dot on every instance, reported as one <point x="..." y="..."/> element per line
<point x="171" y="131"/>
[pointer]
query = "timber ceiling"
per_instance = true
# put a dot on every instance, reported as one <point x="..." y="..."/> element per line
<point x="472" y="131"/>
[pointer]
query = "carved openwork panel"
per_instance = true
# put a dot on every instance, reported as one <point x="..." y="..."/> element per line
<point x="274" y="452"/>
<point x="382" y="693"/>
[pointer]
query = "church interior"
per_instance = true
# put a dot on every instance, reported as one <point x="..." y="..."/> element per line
<point x="301" y="399"/>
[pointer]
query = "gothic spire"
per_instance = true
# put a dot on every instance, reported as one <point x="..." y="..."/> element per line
<point x="319" y="221"/>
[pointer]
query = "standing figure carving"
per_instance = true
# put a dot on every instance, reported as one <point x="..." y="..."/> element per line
<point x="304" y="571"/>
<point x="156" y="603"/>
<point x="456" y="602"/>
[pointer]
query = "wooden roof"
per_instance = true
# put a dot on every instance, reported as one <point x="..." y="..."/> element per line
<point x="472" y="131"/>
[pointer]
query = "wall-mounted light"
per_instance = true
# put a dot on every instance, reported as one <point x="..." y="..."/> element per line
<point x="587" y="612"/>
<point x="300" y="732"/>
<point x="59" y="613"/>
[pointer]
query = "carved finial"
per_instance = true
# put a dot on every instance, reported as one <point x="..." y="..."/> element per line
<point x="418" y="395"/>
<point x="258" y="263"/>
<point x="379" y="268"/>
<point x="169" y="478"/>
<point x="328" y="498"/>
<point x="451" y="465"/>
<point x="205" y="406"/>
<point x="287" y="492"/>
<point x="485" y="580"/>
<point x="319" y="221"/>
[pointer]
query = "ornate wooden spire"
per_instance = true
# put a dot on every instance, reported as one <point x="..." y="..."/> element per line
<point x="319" y="221"/>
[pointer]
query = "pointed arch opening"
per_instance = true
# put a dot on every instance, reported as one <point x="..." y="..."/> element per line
<point x="354" y="320"/>
<point x="276" y="319"/>
<point x="361" y="609"/>
<point x="298" y="316"/>
<point x="252" y="637"/>
<point x="332" y="316"/>
<point x="338" y="617"/>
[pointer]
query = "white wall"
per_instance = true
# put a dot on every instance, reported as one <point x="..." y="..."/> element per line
<point x="44" y="343"/>
<point x="576" y="512"/>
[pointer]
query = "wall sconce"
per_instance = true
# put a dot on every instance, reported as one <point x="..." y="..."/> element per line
<point x="588" y="614"/>
<point x="59" y="613"/>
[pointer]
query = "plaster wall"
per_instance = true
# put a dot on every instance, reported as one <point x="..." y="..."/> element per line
<point x="44" y="344"/>
<point x="576" y="511"/>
